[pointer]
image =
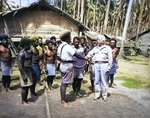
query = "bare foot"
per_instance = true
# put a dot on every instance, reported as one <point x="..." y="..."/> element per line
<point x="114" y="84"/>
<point x="79" y="94"/>
<point x="25" y="104"/>
<point x="96" y="98"/>
<point x="5" y="90"/>
<point x="9" y="90"/>
<point x="75" y="94"/>
<point x="51" y="88"/>
<point x="63" y="103"/>
<point x="30" y="102"/>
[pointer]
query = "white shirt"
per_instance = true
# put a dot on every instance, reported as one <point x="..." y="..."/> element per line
<point x="103" y="53"/>
<point x="67" y="51"/>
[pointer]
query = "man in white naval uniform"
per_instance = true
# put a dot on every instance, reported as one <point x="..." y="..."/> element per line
<point x="102" y="57"/>
<point x="65" y="53"/>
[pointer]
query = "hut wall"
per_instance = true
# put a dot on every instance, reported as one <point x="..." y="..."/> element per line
<point x="37" y="22"/>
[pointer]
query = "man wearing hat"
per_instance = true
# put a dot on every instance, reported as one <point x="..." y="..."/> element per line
<point x="6" y="62"/>
<point x="65" y="53"/>
<point x="102" y="57"/>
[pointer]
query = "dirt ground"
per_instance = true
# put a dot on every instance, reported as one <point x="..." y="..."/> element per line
<point x="136" y="69"/>
<point x="122" y="102"/>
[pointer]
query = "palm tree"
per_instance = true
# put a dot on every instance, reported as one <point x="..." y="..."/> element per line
<point x="140" y="17"/>
<point x="74" y="8"/>
<point x="82" y="10"/>
<point x="106" y="16"/>
<point x="118" y="14"/>
<point x="78" y="13"/>
<point x="61" y="4"/>
<point x="126" y="24"/>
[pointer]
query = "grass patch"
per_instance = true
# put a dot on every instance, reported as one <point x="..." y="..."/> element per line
<point x="139" y="59"/>
<point x="133" y="81"/>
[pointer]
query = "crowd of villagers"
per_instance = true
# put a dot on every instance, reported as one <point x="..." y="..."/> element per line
<point x="71" y="59"/>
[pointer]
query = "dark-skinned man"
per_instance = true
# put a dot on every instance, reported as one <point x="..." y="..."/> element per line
<point x="65" y="53"/>
<point x="50" y="63"/>
<point x="36" y="73"/>
<point x="25" y="68"/>
<point x="6" y="62"/>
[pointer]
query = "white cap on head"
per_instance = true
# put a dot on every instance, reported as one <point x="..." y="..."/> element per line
<point x="101" y="37"/>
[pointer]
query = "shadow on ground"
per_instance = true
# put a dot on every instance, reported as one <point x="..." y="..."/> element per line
<point x="35" y="98"/>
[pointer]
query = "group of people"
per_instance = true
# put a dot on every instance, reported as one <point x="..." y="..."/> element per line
<point x="71" y="60"/>
<point x="33" y="58"/>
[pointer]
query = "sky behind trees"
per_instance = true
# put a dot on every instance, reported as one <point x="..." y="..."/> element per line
<point x="23" y="2"/>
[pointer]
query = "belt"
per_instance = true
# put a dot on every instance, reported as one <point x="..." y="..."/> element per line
<point x="6" y="60"/>
<point x="101" y="62"/>
<point x="50" y="61"/>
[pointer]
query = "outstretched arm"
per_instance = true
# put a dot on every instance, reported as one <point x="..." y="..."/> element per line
<point x="79" y="56"/>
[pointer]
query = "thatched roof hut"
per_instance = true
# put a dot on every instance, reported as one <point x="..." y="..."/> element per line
<point x="40" y="19"/>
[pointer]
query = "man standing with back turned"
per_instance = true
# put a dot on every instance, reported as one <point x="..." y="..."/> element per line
<point x="65" y="53"/>
<point x="102" y="56"/>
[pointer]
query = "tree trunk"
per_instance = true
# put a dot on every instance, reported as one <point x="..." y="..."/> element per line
<point x="121" y="27"/>
<point x="116" y="32"/>
<point x="94" y="18"/>
<point x="112" y="29"/>
<point x="74" y="9"/>
<point x="61" y="4"/>
<point x="128" y="14"/>
<point x="78" y="15"/>
<point x="82" y="11"/>
<point x="87" y="22"/>
<point x="98" y="26"/>
<point x="139" y="22"/>
<point x="106" y="17"/>
<point x="87" y="17"/>
<point x="101" y="29"/>
<point x="118" y="14"/>
<point x="20" y="3"/>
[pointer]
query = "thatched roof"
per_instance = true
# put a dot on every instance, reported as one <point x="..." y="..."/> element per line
<point x="92" y="35"/>
<point x="43" y="5"/>
<point x="141" y="34"/>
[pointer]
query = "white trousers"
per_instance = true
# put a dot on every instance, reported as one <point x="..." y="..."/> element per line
<point x="101" y="81"/>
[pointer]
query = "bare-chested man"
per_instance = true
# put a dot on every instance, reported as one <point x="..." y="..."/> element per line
<point x="6" y="62"/>
<point x="54" y="47"/>
<point x="50" y="63"/>
<point x="112" y="44"/>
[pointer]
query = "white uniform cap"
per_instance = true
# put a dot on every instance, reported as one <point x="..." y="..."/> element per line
<point x="101" y="37"/>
